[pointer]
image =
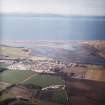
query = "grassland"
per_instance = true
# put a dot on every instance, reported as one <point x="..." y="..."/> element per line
<point x="13" y="52"/>
<point x="35" y="102"/>
<point x="59" y="97"/>
<point x="16" y="77"/>
<point x="45" y="80"/>
<point x="2" y="65"/>
<point x="92" y="72"/>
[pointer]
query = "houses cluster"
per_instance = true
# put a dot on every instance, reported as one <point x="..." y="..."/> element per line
<point x="43" y="66"/>
<point x="37" y="65"/>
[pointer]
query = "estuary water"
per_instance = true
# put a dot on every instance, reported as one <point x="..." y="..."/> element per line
<point x="51" y="28"/>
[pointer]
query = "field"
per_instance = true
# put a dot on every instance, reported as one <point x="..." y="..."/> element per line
<point x="45" y="80"/>
<point x="16" y="77"/>
<point x="59" y="97"/>
<point x="13" y="52"/>
<point x="30" y="77"/>
<point x="36" y="101"/>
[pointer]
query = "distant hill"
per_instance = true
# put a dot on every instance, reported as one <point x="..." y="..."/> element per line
<point x="51" y="15"/>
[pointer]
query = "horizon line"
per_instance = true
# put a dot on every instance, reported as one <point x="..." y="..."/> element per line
<point x="62" y="15"/>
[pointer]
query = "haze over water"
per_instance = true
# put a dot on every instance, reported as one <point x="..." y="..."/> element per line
<point x="51" y="28"/>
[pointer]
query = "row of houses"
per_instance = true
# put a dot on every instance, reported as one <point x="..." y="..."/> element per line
<point x="39" y="65"/>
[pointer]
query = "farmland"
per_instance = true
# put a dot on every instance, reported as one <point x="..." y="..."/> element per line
<point x="16" y="77"/>
<point x="42" y="80"/>
<point x="14" y="52"/>
<point x="40" y="75"/>
<point x="45" y="80"/>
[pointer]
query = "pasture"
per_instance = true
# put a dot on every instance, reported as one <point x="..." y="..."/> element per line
<point x="14" y="76"/>
<point x="45" y="80"/>
<point x="30" y="77"/>
<point x="17" y="76"/>
<point x="13" y="52"/>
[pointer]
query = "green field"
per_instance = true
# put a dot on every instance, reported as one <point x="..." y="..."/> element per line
<point x="17" y="76"/>
<point x="45" y="80"/>
<point x="14" y="76"/>
<point x="59" y="97"/>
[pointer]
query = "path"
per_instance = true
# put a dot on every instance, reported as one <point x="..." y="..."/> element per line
<point x="28" y="78"/>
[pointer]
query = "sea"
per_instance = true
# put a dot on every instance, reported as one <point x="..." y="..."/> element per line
<point x="51" y="28"/>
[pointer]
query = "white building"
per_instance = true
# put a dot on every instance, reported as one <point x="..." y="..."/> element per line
<point x="17" y="66"/>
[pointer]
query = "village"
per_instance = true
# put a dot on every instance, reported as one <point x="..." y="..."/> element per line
<point x="38" y="65"/>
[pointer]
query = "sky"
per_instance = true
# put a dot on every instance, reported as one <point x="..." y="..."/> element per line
<point x="62" y="7"/>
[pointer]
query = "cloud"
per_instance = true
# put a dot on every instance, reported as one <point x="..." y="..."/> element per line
<point x="64" y="7"/>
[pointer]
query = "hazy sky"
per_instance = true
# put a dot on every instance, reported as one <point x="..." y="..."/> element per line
<point x="64" y="7"/>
